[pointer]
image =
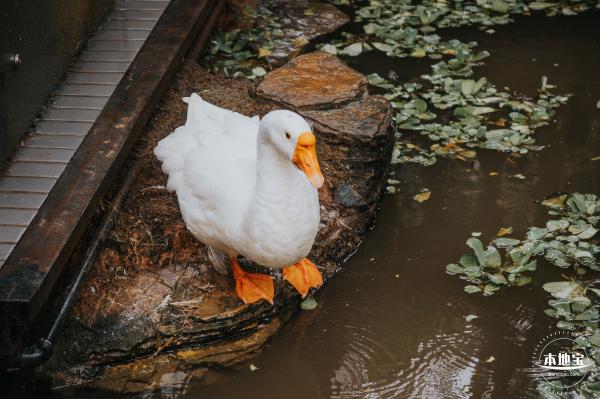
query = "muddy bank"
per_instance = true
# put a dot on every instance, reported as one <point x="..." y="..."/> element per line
<point x="153" y="310"/>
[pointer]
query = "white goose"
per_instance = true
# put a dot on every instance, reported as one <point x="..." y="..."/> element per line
<point x="248" y="187"/>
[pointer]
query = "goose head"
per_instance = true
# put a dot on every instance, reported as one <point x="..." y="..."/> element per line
<point x="292" y="138"/>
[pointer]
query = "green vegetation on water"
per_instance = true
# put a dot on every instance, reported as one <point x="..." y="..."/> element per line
<point x="452" y="112"/>
<point x="569" y="241"/>
<point x="481" y="114"/>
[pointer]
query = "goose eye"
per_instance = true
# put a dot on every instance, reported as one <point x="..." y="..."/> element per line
<point x="287" y="135"/>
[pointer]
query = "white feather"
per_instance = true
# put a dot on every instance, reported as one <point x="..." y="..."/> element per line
<point x="218" y="260"/>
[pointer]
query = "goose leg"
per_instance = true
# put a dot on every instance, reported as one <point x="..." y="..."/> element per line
<point x="251" y="287"/>
<point x="303" y="276"/>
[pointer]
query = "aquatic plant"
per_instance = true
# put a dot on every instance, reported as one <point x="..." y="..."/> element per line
<point x="480" y="115"/>
<point x="241" y="52"/>
<point x="403" y="28"/>
<point x="568" y="241"/>
<point x="452" y="111"/>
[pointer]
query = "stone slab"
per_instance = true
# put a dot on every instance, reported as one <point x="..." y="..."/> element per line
<point x="313" y="81"/>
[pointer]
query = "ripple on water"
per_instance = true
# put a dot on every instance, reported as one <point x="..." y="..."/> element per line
<point x="521" y="318"/>
<point x="379" y="364"/>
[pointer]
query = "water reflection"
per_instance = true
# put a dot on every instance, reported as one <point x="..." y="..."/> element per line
<point x="393" y="324"/>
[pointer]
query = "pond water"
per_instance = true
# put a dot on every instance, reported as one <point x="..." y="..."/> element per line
<point x="392" y="324"/>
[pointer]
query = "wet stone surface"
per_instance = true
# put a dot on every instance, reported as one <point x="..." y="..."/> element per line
<point x="312" y="81"/>
<point x="347" y="196"/>
<point x="153" y="310"/>
<point x="303" y="20"/>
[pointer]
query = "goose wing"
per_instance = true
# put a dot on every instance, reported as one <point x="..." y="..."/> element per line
<point x="211" y="163"/>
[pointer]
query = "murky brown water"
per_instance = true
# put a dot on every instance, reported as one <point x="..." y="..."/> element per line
<point x="392" y="324"/>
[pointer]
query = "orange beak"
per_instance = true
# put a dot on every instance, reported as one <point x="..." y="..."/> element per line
<point x="305" y="158"/>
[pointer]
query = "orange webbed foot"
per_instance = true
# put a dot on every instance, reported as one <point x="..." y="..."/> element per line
<point x="252" y="287"/>
<point x="304" y="275"/>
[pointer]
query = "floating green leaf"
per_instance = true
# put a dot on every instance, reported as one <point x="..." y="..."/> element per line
<point x="353" y="49"/>
<point x="500" y="6"/>
<point x="309" y="303"/>
<point x="567" y="241"/>
<point x="329" y="48"/>
<point x="259" y="71"/>
<point x="472" y="289"/>
<point x="484" y="115"/>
